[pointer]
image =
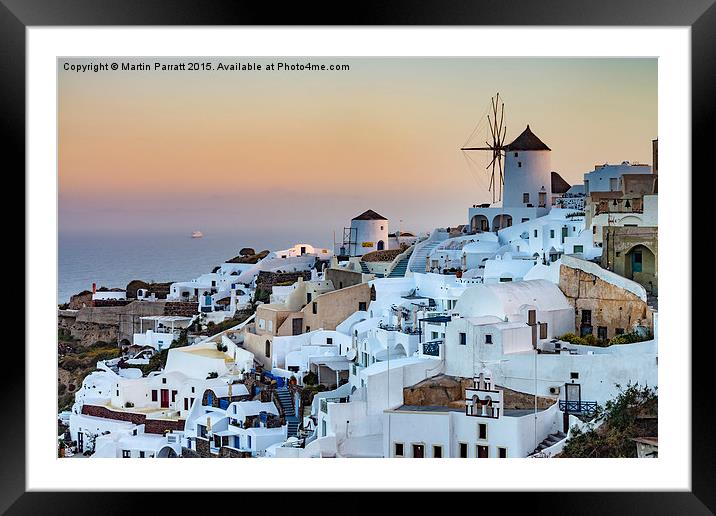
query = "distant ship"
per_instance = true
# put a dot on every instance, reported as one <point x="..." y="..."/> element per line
<point x="197" y="234"/>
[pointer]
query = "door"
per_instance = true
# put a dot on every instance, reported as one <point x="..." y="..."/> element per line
<point x="636" y="261"/>
<point x="297" y="326"/>
<point x="482" y="452"/>
<point x="80" y="442"/>
<point x="165" y="398"/>
<point x="418" y="451"/>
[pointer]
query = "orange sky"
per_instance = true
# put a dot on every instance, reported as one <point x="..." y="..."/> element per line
<point x="227" y="150"/>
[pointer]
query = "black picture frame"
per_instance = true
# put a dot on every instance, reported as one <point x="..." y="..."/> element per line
<point x="699" y="15"/>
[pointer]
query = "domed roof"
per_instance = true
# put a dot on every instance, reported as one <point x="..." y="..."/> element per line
<point x="527" y="141"/>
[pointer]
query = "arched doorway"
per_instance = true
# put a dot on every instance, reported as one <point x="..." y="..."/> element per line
<point x="640" y="264"/>
<point x="381" y="245"/>
<point x="166" y="453"/>
<point x="479" y="223"/>
<point x="501" y="222"/>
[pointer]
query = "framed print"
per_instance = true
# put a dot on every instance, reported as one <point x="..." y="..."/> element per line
<point x="375" y="241"/>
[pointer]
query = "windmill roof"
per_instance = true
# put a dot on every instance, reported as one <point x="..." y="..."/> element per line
<point x="527" y="141"/>
<point x="559" y="185"/>
<point x="369" y="215"/>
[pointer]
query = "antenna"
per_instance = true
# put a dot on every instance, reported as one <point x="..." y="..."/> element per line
<point x="497" y="147"/>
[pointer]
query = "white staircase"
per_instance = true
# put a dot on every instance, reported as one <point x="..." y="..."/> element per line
<point x="417" y="262"/>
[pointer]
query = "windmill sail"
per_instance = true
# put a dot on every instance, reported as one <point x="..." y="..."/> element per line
<point x="496" y="146"/>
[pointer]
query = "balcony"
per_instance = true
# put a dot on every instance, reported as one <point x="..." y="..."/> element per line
<point x="586" y="408"/>
<point x="326" y="401"/>
<point x="432" y="348"/>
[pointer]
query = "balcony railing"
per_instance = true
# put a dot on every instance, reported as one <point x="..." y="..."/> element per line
<point x="586" y="408"/>
<point x="432" y="348"/>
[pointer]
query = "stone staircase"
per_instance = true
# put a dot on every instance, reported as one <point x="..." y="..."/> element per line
<point x="286" y="400"/>
<point x="364" y="268"/>
<point x="551" y="440"/>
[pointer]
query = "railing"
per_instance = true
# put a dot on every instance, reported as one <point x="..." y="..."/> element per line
<point x="578" y="407"/>
<point x="432" y="348"/>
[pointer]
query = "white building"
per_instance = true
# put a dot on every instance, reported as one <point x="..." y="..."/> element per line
<point x="608" y="178"/>
<point x="368" y="232"/>
<point x="527" y="192"/>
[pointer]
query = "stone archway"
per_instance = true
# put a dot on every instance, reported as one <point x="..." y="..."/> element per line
<point x="479" y="223"/>
<point x="501" y="221"/>
<point x="640" y="265"/>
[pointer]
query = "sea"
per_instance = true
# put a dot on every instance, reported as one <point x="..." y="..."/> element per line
<point x="113" y="260"/>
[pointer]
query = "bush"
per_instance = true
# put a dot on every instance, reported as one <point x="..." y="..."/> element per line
<point x="221" y="347"/>
<point x="213" y="374"/>
<point x="129" y="404"/>
<point x="310" y="379"/>
<point x="630" y="338"/>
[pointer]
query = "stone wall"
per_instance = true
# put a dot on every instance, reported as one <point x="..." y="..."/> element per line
<point x="611" y="306"/>
<point x="151" y="426"/>
<point x="343" y="278"/>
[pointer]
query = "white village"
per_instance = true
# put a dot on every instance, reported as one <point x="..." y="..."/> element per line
<point x="499" y="337"/>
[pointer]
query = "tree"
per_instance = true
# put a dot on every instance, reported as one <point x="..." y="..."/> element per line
<point x="632" y="413"/>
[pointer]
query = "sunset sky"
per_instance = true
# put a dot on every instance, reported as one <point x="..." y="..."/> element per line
<point x="298" y="154"/>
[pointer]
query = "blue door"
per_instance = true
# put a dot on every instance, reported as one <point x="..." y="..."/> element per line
<point x="209" y="399"/>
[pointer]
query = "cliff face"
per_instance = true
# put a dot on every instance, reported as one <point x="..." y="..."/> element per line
<point x="449" y="391"/>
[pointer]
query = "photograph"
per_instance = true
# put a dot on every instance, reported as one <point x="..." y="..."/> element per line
<point x="357" y="257"/>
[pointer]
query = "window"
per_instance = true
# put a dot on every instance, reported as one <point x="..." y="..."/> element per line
<point x="433" y="335"/>
<point x="463" y="450"/>
<point x="573" y="376"/>
<point x="578" y="248"/>
<point x="418" y="451"/>
<point x="126" y="454"/>
<point x="192" y="390"/>
<point x="141" y="454"/>
<point x="362" y="306"/>
<point x="594" y="230"/>
<point x="267" y="351"/>
<point x="619" y="331"/>
<point x="270" y="325"/>
<point x="154" y="395"/>
<point x="463" y="338"/>
<point x="551" y="233"/>
<point x="186" y="403"/>
<point x="315" y="307"/>
<point x="329" y="340"/>
<point x="519" y="164"/>
<point x="262" y="324"/>
<point x="437" y="452"/>
<point x="587" y="317"/>
<point x="525" y="219"/>
<point x="164" y="380"/>
<point x="602" y="332"/>
<point x="501" y="452"/>
<point x="117" y="393"/>
<point x="398" y="449"/>
<point x="515" y="154"/>
<point x="482" y="431"/>
<point x="535" y="233"/>
<point x="488" y="339"/>
<point x="482" y="452"/>
<point x="308" y="329"/>
<point x="525" y="197"/>
<point x="309" y="296"/>
<point x="543" y="330"/>
<point x="531" y="317"/>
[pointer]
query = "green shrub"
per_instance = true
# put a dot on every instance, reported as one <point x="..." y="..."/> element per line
<point x="310" y="379"/>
